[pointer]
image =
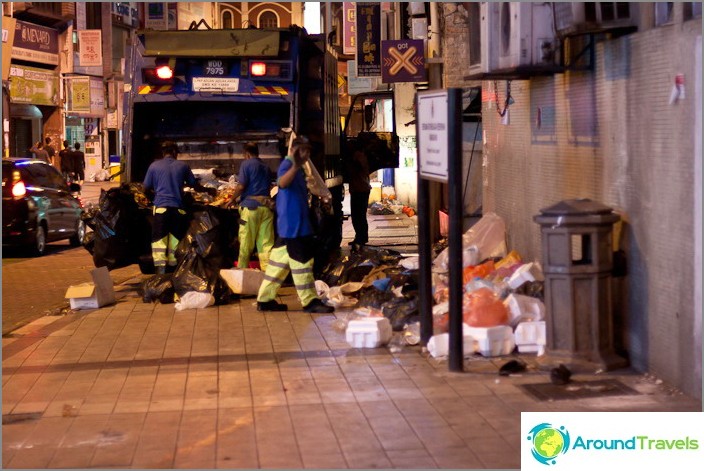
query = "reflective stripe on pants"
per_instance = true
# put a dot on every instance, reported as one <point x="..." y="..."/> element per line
<point x="279" y="265"/>
<point x="256" y="230"/>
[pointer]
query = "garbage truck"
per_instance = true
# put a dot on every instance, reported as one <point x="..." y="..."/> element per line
<point x="212" y="90"/>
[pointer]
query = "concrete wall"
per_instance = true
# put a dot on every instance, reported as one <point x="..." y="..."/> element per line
<point x="611" y="135"/>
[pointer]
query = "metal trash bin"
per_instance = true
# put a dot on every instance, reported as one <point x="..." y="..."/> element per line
<point x="577" y="263"/>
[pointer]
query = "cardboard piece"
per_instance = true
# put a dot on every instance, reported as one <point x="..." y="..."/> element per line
<point x="243" y="280"/>
<point x="92" y="295"/>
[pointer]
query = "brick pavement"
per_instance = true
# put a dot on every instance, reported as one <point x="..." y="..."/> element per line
<point x="137" y="385"/>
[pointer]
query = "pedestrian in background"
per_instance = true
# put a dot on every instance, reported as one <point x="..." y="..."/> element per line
<point x="167" y="176"/>
<point x="256" y="208"/>
<point x="295" y="246"/>
<point x="358" y="176"/>
<point x="50" y="151"/>
<point x="39" y="152"/>
<point x="78" y="159"/>
<point x="66" y="161"/>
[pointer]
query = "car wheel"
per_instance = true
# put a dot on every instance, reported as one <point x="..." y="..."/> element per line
<point x="77" y="238"/>
<point x="40" y="241"/>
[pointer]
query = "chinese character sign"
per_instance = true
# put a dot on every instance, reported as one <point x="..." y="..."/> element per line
<point x="349" y="29"/>
<point x="368" y="39"/>
<point x="90" y="48"/>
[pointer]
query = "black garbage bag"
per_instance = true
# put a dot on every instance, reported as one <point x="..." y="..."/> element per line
<point x="401" y="311"/>
<point x="158" y="288"/>
<point x="121" y="226"/>
<point x="204" y="251"/>
<point x="374" y="298"/>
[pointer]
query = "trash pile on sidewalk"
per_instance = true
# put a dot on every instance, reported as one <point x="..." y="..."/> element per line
<point x="376" y="293"/>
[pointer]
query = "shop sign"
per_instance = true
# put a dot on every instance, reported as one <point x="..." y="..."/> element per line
<point x="36" y="43"/>
<point x="124" y="14"/>
<point x="90" y="52"/>
<point x="402" y="61"/>
<point x="349" y="28"/>
<point x="86" y="96"/>
<point x="33" y="86"/>
<point x="355" y="84"/>
<point x="160" y="16"/>
<point x="368" y="40"/>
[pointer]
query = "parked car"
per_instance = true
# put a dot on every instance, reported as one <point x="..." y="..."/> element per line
<point x="38" y="206"/>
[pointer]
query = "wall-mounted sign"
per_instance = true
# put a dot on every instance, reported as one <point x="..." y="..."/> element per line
<point x="403" y="61"/>
<point x="349" y="27"/>
<point x="433" y="137"/>
<point x="124" y="14"/>
<point x="86" y="96"/>
<point x="36" y="43"/>
<point x="355" y="84"/>
<point x="33" y="86"/>
<point x="216" y="84"/>
<point x="90" y="52"/>
<point x="368" y="39"/>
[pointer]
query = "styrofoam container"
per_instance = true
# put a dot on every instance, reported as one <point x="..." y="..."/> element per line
<point x="439" y="345"/>
<point x="523" y="308"/>
<point x="370" y="332"/>
<point x="492" y="341"/>
<point x="530" y="336"/>
<point x="525" y="273"/>
<point x="243" y="280"/>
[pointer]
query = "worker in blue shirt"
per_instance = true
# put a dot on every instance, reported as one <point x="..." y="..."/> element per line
<point x="295" y="247"/>
<point x="256" y="208"/>
<point x="166" y="177"/>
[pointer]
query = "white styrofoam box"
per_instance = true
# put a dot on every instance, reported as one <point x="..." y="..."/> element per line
<point x="370" y="332"/>
<point x="92" y="295"/>
<point x="526" y="272"/>
<point x="492" y="341"/>
<point x="523" y="308"/>
<point x="243" y="280"/>
<point x="439" y="345"/>
<point x="530" y="336"/>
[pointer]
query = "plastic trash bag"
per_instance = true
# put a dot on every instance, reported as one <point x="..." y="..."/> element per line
<point x="158" y="288"/>
<point x="336" y="298"/>
<point x="194" y="300"/>
<point x="488" y="235"/>
<point x="482" y="308"/>
<point x="374" y="298"/>
<point x="401" y="311"/>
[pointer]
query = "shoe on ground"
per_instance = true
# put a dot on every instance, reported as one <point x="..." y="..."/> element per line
<point x="271" y="306"/>
<point x="316" y="306"/>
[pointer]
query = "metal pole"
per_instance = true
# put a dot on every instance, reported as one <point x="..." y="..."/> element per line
<point x="425" y="289"/>
<point x="454" y="166"/>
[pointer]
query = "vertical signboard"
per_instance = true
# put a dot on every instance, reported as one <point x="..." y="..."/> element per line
<point x="368" y="39"/>
<point x="8" y="38"/>
<point x="349" y="28"/>
<point x="156" y="16"/>
<point x="432" y="135"/>
<point x="90" y="48"/>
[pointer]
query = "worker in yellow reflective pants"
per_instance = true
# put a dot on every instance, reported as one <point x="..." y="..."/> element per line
<point x="168" y="228"/>
<point x="294" y="250"/>
<point x="256" y="213"/>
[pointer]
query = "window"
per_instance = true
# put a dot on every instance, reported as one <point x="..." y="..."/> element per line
<point x="663" y="13"/>
<point x="691" y="10"/>
<point x="474" y="16"/>
<point x="268" y="19"/>
<point x="227" y="20"/>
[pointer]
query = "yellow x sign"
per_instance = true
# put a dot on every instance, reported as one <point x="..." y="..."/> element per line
<point x="402" y="60"/>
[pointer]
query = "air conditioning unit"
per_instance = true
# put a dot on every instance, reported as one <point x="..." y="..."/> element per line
<point x="483" y="47"/>
<point x="526" y="36"/>
<point x="588" y="17"/>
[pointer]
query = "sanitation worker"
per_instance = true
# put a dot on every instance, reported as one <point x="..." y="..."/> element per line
<point x="166" y="177"/>
<point x="295" y="246"/>
<point x="256" y="208"/>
